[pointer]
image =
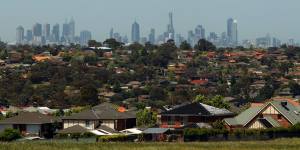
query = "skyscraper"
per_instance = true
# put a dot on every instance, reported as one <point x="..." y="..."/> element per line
<point x="179" y="39"/>
<point x="171" y="30"/>
<point x="111" y="33"/>
<point x="191" y="37"/>
<point x="232" y="32"/>
<point x="19" y="35"/>
<point x="199" y="33"/>
<point x="135" y="32"/>
<point x="37" y="34"/>
<point x="46" y="31"/>
<point x="85" y="37"/>
<point x="72" y="30"/>
<point x="65" y="32"/>
<point x="55" y="33"/>
<point x="37" y="30"/>
<point x="152" y="36"/>
<point x="29" y="35"/>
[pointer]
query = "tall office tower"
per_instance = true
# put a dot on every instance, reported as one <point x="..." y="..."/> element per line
<point x="117" y="37"/>
<point x="55" y="33"/>
<point x="291" y="42"/>
<point x="276" y="42"/>
<point x="199" y="33"/>
<point x="179" y="39"/>
<point x="232" y="32"/>
<point x="224" y="39"/>
<point x="264" y="42"/>
<point x="29" y="35"/>
<point x="171" y="30"/>
<point x="19" y="35"/>
<point x="191" y="37"/>
<point x="65" y="32"/>
<point x="37" y="30"/>
<point x="46" y="31"/>
<point x="135" y="32"/>
<point x="72" y="31"/>
<point x="37" y="34"/>
<point x="85" y="37"/>
<point x="152" y="36"/>
<point x="213" y="37"/>
<point x="125" y="39"/>
<point x="111" y="33"/>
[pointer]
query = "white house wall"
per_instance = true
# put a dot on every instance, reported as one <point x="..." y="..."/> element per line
<point x="109" y="123"/>
<point x="270" y="110"/>
<point x="256" y="125"/>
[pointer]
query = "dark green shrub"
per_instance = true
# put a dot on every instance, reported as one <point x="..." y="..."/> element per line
<point x="115" y="138"/>
<point x="75" y="135"/>
<point x="10" y="135"/>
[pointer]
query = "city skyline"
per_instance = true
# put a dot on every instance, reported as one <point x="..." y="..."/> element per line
<point x="40" y="35"/>
<point x="252" y="24"/>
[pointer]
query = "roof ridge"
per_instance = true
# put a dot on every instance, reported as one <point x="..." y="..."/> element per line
<point x="93" y="111"/>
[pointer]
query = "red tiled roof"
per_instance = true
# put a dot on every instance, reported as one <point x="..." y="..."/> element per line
<point x="200" y="82"/>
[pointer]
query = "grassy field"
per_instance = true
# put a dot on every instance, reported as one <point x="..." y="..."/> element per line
<point x="286" y="144"/>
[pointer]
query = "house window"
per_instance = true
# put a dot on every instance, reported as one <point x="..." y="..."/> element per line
<point x="87" y="124"/>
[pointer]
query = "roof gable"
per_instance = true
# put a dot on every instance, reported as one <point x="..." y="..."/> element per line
<point x="291" y="112"/>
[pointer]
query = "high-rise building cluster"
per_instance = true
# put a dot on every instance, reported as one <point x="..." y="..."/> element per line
<point x="225" y="39"/>
<point x="43" y="35"/>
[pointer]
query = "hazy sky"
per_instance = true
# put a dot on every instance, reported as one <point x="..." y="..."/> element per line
<point x="280" y="18"/>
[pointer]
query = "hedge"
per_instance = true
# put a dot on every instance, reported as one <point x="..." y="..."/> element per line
<point x="75" y="135"/>
<point x="116" y="138"/>
<point x="205" y="134"/>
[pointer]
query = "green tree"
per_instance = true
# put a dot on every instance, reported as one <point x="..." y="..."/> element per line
<point x="157" y="93"/>
<point x="146" y="118"/>
<point x="113" y="43"/>
<point x="9" y="135"/>
<point x="200" y="99"/>
<point x="185" y="46"/>
<point x="216" y="101"/>
<point x="295" y="88"/>
<point x="94" y="43"/>
<point x="204" y="45"/>
<point x="89" y="94"/>
<point x="136" y="46"/>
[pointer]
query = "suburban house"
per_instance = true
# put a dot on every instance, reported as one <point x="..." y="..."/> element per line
<point x="156" y="134"/>
<point x="105" y="114"/>
<point x="191" y="113"/>
<point x="30" y="124"/>
<point x="277" y="112"/>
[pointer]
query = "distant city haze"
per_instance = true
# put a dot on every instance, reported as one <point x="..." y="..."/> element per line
<point x="256" y="18"/>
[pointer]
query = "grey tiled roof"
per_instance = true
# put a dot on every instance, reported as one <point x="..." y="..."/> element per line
<point x="104" y="111"/>
<point x="197" y="109"/>
<point x="156" y="130"/>
<point x="29" y="118"/>
<point x="74" y="129"/>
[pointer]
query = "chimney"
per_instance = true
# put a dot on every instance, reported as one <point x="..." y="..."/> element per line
<point x="284" y="103"/>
